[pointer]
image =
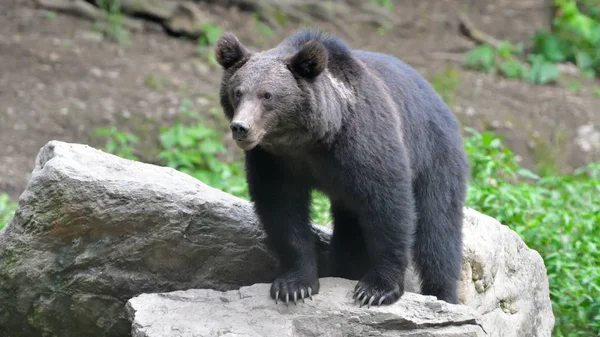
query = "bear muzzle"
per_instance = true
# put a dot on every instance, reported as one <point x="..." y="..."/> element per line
<point x="243" y="135"/>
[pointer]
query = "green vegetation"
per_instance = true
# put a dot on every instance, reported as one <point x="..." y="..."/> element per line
<point x="152" y="82"/>
<point x="112" y="26"/>
<point x="118" y="142"/>
<point x="387" y="4"/>
<point x="7" y="209"/>
<point x="207" y="40"/>
<point x="574" y="37"/>
<point x="557" y="215"/>
<point x="194" y="149"/>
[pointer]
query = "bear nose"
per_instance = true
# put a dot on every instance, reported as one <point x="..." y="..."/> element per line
<point x="239" y="130"/>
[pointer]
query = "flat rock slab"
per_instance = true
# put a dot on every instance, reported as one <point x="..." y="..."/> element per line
<point x="250" y="312"/>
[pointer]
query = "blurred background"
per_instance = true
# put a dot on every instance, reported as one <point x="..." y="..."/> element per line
<point x="138" y="78"/>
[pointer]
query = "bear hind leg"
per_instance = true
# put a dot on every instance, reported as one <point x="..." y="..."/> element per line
<point x="437" y="250"/>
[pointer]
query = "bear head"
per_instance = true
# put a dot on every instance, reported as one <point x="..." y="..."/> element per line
<point x="269" y="97"/>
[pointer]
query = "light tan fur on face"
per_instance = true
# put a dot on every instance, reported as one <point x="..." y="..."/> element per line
<point x="251" y="113"/>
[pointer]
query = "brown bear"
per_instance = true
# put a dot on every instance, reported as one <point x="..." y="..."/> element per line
<point x="368" y="131"/>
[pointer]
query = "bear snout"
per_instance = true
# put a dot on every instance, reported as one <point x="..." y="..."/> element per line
<point x="239" y="130"/>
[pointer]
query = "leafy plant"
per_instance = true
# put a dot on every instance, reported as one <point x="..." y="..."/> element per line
<point x="481" y="58"/>
<point x="574" y="37"/>
<point x="7" y="209"/>
<point x="118" y="142"/>
<point x="113" y="24"/>
<point x="194" y="149"/>
<point x="503" y="59"/>
<point x="512" y="68"/>
<point x="210" y="35"/>
<point x="557" y="215"/>
<point x="541" y="71"/>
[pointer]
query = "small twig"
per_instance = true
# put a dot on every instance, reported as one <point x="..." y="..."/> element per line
<point x="468" y="30"/>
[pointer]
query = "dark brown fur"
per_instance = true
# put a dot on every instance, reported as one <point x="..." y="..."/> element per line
<point x="371" y="133"/>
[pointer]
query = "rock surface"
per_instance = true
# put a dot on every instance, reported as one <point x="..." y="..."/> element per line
<point x="503" y="279"/>
<point x="250" y="311"/>
<point x="93" y="230"/>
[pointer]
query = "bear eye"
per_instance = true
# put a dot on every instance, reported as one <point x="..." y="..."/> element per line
<point x="237" y="93"/>
<point x="267" y="96"/>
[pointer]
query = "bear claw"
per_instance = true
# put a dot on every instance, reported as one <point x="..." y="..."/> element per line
<point x="373" y="290"/>
<point x="289" y="289"/>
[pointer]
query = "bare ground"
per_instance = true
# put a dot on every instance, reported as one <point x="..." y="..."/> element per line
<point x="59" y="79"/>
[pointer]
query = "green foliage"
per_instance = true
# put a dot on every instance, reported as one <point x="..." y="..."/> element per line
<point x="574" y="37"/>
<point x="512" y="68"/>
<point x="210" y="35"/>
<point x="112" y="26"/>
<point x="597" y="91"/>
<point x="118" y="142"/>
<point x="481" y="58"/>
<point x="387" y="4"/>
<point x="7" y="209"/>
<point x="194" y="149"/>
<point x="557" y="215"/>
<point x="541" y="71"/>
<point x="504" y="60"/>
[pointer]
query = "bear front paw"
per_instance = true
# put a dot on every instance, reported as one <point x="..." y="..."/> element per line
<point x="378" y="289"/>
<point x="294" y="286"/>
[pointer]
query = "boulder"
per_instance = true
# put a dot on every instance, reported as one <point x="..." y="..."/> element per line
<point x="93" y="230"/>
<point x="250" y="311"/>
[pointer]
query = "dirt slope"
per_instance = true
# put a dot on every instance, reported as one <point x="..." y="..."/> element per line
<point x="59" y="79"/>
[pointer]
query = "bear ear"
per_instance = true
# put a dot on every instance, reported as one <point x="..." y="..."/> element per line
<point x="229" y="50"/>
<point x="311" y="60"/>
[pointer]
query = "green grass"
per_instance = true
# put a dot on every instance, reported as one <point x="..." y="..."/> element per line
<point x="557" y="215"/>
<point x="7" y="209"/>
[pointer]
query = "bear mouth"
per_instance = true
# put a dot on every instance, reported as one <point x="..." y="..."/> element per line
<point x="246" y="145"/>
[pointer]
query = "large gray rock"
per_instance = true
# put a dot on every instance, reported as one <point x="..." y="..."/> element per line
<point x="93" y="230"/>
<point x="503" y="279"/>
<point x="250" y="312"/>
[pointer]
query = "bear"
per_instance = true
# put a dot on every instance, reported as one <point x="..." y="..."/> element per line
<point x="372" y="134"/>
